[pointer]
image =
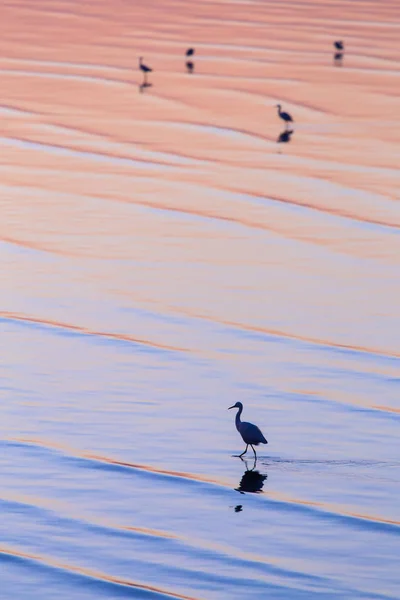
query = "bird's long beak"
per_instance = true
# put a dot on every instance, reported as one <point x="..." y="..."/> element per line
<point x="231" y="407"/>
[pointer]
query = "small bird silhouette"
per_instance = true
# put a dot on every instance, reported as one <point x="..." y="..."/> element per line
<point x="284" y="115"/>
<point x="339" y="45"/>
<point x="189" y="63"/>
<point x="250" y="433"/>
<point x="145" y="69"/>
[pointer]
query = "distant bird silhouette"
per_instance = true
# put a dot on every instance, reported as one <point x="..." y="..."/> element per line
<point x="189" y="63"/>
<point x="284" y="115"/>
<point x="250" y="433"/>
<point x="338" y="56"/>
<point x="145" y="69"/>
<point x="284" y="137"/>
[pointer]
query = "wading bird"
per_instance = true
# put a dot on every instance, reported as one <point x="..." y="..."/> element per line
<point x="189" y="63"/>
<point x="338" y="56"/>
<point x="250" y="433"/>
<point x="145" y="69"/>
<point x="284" y="115"/>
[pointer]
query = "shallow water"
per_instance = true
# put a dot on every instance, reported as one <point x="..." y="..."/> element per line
<point x="163" y="257"/>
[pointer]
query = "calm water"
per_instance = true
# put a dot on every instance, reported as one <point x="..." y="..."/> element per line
<point x="163" y="257"/>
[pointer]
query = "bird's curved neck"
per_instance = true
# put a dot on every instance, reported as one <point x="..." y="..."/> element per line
<point x="237" y="418"/>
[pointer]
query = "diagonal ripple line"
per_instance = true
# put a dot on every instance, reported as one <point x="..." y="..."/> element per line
<point x="111" y="461"/>
<point x="293" y="336"/>
<point x="334" y="510"/>
<point x="84" y="330"/>
<point x="93" y="574"/>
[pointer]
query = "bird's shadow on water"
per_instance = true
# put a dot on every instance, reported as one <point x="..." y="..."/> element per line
<point x="252" y="480"/>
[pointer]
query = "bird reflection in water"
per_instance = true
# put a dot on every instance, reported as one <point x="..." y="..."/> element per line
<point x="252" y="480"/>
<point x="285" y="136"/>
<point x="143" y="86"/>
<point x="190" y="66"/>
<point x="338" y="59"/>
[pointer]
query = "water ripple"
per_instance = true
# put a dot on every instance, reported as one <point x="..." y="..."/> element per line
<point x="9" y="553"/>
<point x="80" y="330"/>
<point x="324" y="510"/>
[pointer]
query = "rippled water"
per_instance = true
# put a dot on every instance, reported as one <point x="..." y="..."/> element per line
<point x="163" y="257"/>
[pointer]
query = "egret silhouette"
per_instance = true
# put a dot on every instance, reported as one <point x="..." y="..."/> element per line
<point x="250" y="433"/>
<point x="190" y="66"/>
<point x="284" y="115"/>
<point x="339" y="45"/>
<point x="145" y="69"/>
<point x="190" y="51"/>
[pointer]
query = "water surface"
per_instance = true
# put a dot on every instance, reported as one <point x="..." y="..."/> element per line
<point x="163" y="257"/>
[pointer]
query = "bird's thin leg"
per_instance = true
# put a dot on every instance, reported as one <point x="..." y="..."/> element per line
<point x="240" y="455"/>
<point x="255" y="455"/>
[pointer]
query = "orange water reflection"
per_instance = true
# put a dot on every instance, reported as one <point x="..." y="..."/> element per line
<point x="189" y="174"/>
